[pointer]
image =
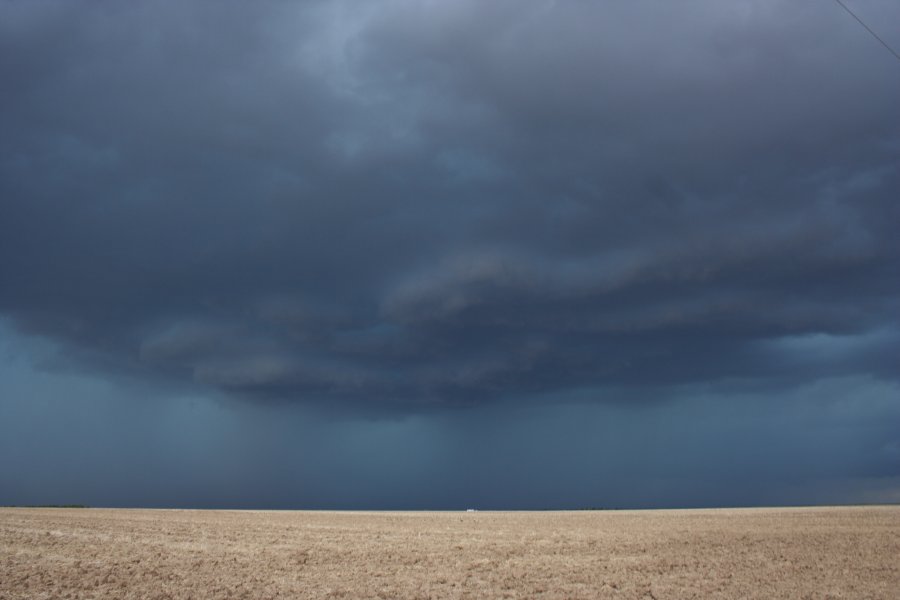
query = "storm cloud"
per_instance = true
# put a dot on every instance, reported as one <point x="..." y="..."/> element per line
<point x="423" y="204"/>
<point x="561" y="250"/>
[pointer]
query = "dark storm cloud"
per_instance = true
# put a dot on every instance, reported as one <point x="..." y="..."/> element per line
<point x="428" y="203"/>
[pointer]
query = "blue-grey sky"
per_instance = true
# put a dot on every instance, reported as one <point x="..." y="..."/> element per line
<point x="423" y="254"/>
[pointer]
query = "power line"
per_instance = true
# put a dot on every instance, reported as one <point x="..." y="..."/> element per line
<point x="869" y="29"/>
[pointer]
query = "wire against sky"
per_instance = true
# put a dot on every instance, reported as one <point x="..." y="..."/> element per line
<point x="869" y="29"/>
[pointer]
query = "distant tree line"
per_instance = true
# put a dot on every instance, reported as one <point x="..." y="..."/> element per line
<point x="46" y="506"/>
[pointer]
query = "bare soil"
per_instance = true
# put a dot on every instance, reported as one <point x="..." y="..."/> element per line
<point x="840" y="552"/>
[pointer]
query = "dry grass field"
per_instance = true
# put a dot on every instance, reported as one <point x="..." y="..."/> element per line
<point x="851" y="552"/>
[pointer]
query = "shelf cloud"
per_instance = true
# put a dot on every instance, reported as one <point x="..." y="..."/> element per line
<point x="422" y="203"/>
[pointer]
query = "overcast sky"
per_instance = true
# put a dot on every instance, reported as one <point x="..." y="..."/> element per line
<point x="441" y="254"/>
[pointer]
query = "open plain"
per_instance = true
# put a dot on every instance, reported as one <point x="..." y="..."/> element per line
<point x="839" y="552"/>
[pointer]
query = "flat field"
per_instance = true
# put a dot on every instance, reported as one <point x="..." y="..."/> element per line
<point x="846" y="552"/>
